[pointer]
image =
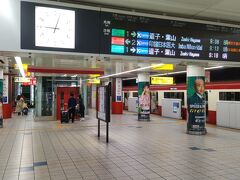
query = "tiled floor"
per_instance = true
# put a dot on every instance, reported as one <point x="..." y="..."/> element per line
<point x="159" y="149"/>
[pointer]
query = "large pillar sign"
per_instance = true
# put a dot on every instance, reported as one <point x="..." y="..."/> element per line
<point x="1" y="98"/>
<point x="117" y="104"/>
<point x="196" y="100"/>
<point x="143" y="97"/>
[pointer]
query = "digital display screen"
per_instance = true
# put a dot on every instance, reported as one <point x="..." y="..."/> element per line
<point x="142" y="36"/>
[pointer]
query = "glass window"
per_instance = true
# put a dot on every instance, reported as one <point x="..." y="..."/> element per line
<point x="135" y="94"/>
<point x="175" y="95"/>
<point x="229" y="96"/>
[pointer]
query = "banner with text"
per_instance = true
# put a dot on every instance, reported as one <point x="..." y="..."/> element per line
<point x="196" y="103"/>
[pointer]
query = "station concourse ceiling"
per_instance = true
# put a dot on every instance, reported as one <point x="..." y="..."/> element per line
<point x="213" y="10"/>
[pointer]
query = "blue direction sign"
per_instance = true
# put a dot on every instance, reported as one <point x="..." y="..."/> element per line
<point x="142" y="50"/>
<point x="142" y="35"/>
<point x="141" y="42"/>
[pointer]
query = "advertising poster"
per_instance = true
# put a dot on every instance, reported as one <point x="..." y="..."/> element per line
<point x="102" y="103"/>
<point x="1" y="103"/>
<point x="144" y="101"/>
<point x="196" y="104"/>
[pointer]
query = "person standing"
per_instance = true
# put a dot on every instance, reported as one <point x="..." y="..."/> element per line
<point x="71" y="107"/>
<point x="81" y="108"/>
<point x="20" y="105"/>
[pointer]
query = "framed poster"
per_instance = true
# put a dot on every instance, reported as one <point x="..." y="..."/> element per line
<point x="103" y="98"/>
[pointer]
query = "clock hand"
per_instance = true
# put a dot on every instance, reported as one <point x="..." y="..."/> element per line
<point x="56" y="24"/>
<point x="51" y="27"/>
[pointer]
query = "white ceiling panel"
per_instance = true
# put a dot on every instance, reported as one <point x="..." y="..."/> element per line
<point x="215" y="10"/>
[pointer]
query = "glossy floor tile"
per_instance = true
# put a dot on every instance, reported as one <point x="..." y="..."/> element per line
<point x="159" y="149"/>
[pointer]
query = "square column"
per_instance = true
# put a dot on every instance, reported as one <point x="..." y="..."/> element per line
<point x="143" y="97"/>
<point x="196" y="103"/>
<point x="117" y="104"/>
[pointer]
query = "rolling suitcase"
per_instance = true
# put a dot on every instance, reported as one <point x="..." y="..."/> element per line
<point x="25" y="111"/>
<point x="64" y="117"/>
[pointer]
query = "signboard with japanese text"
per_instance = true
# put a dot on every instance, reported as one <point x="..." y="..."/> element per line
<point x="144" y="36"/>
<point x="161" y="80"/>
<point x="102" y="103"/>
<point x="196" y="104"/>
<point x="94" y="81"/>
<point x="5" y="89"/>
<point x="103" y="107"/>
<point x="118" y="90"/>
<point x="22" y="79"/>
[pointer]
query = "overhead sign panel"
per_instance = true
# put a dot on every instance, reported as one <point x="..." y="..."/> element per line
<point x="144" y="36"/>
<point x="22" y="79"/>
<point x="161" y="80"/>
<point x="163" y="67"/>
<point x="94" y="81"/>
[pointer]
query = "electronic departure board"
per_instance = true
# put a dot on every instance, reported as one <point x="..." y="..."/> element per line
<point x="143" y="36"/>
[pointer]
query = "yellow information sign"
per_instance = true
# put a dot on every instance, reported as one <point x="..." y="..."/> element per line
<point x="161" y="80"/>
<point x="25" y="66"/>
<point x="22" y="79"/>
<point x="94" y="75"/>
<point x="162" y="67"/>
<point x="94" y="81"/>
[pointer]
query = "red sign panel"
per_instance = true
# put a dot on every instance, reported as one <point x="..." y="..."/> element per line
<point x="118" y="40"/>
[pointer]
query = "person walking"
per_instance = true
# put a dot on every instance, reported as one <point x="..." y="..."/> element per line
<point x="71" y="107"/>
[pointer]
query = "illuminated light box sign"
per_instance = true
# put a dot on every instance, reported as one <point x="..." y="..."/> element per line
<point x="25" y="66"/>
<point x="161" y="80"/>
<point x="22" y="80"/>
<point x="143" y="36"/>
<point x="163" y="67"/>
<point x="94" y="81"/>
<point x="94" y="75"/>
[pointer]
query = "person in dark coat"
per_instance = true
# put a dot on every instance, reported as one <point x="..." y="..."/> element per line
<point x="71" y="107"/>
<point x="81" y="108"/>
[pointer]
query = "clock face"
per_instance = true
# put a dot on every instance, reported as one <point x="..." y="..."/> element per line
<point x="54" y="27"/>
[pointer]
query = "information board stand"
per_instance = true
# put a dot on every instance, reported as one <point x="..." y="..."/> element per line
<point x="103" y="108"/>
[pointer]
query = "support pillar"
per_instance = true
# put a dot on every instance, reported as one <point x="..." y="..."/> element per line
<point x="117" y="104"/>
<point x="143" y="97"/>
<point x="196" y="100"/>
<point x="94" y="95"/>
<point x="85" y="97"/>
